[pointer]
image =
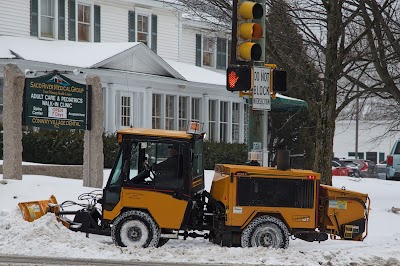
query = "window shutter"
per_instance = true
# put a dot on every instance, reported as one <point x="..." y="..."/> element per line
<point x="221" y="53"/>
<point x="154" y="33"/>
<point x="131" y="26"/>
<point x="34" y="17"/>
<point x="61" y="19"/>
<point x="198" y="49"/>
<point x="97" y="32"/>
<point x="71" y="20"/>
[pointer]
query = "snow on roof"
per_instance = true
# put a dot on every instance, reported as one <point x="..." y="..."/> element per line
<point x="68" y="53"/>
<point x="93" y="55"/>
<point x="198" y="74"/>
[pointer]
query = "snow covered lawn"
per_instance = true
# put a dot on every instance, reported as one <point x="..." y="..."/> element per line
<point x="46" y="237"/>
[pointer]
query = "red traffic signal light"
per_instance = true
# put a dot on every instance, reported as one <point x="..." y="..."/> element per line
<point x="239" y="78"/>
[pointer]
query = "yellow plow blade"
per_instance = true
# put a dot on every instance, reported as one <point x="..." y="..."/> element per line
<point x="33" y="210"/>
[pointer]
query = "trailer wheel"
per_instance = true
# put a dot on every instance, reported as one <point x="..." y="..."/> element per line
<point x="135" y="229"/>
<point x="265" y="231"/>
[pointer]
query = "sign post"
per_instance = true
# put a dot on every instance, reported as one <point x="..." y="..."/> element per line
<point x="261" y="89"/>
<point x="262" y="104"/>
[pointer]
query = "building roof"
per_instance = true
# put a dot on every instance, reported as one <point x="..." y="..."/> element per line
<point x="126" y="56"/>
<point x="198" y="74"/>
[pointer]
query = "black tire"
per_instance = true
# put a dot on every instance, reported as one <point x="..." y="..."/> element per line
<point x="135" y="229"/>
<point x="162" y="242"/>
<point x="265" y="231"/>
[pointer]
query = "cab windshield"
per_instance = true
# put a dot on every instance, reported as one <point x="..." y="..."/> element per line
<point x="157" y="164"/>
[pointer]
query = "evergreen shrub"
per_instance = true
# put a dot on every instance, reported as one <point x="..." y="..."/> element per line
<point x="220" y="152"/>
<point x="65" y="147"/>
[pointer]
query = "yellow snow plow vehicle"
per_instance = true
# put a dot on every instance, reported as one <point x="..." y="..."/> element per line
<point x="155" y="192"/>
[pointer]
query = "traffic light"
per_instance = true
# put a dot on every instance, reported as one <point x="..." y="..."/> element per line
<point x="239" y="78"/>
<point x="278" y="80"/>
<point x="250" y="30"/>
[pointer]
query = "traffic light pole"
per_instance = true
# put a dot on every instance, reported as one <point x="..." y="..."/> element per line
<point x="234" y="31"/>
<point x="248" y="49"/>
<point x="258" y="119"/>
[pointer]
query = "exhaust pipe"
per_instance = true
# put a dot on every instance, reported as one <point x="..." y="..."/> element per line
<point x="283" y="159"/>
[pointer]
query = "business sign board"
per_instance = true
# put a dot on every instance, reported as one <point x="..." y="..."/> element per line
<point x="261" y="89"/>
<point x="55" y="102"/>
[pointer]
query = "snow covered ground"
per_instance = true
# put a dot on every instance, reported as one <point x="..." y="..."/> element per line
<point x="46" y="237"/>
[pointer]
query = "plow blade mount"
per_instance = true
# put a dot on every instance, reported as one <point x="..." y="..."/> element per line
<point x="33" y="210"/>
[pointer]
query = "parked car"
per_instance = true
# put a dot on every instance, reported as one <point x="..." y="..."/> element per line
<point x="393" y="163"/>
<point x="367" y="168"/>
<point x="353" y="168"/>
<point x="339" y="169"/>
<point x="381" y="170"/>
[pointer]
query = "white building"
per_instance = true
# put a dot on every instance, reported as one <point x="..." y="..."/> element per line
<point x="146" y="60"/>
<point x="179" y="76"/>
<point x="372" y="144"/>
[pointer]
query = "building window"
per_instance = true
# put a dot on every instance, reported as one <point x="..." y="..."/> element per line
<point x="381" y="157"/>
<point x="183" y="113"/>
<point x="156" y="116"/>
<point x="223" y="121"/>
<point x="196" y="109"/>
<point x="212" y="120"/>
<point x="126" y="111"/>
<point x="47" y="18"/>
<point x="208" y="52"/>
<point x="170" y="112"/>
<point x="212" y="52"/>
<point x="353" y="154"/>
<point x="235" y="121"/>
<point x="83" y="23"/>
<point x="143" y="29"/>
<point x="372" y="156"/>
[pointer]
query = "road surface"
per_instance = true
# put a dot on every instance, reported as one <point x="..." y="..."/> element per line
<point x="18" y="260"/>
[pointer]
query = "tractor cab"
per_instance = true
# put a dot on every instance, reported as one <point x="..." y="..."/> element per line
<point x="162" y="163"/>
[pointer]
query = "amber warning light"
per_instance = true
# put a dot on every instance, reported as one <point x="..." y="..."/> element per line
<point x="239" y="78"/>
<point x="194" y="128"/>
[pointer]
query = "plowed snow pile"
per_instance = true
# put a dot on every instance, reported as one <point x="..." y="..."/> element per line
<point x="47" y="237"/>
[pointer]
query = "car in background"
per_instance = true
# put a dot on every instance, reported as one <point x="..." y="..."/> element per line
<point x="381" y="170"/>
<point x="367" y="168"/>
<point x="339" y="169"/>
<point x="393" y="163"/>
<point x="354" y="171"/>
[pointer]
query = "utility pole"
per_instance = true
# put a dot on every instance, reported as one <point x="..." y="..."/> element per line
<point x="357" y="112"/>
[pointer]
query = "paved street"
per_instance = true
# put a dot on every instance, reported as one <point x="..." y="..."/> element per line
<point x="17" y="260"/>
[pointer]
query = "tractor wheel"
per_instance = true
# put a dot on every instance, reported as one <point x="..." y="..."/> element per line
<point x="162" y="242"/>
<point x="135" y="229"/>
<point x="265" y="231"/>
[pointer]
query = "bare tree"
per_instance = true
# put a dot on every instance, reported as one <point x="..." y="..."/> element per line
<point x="338" y="35"/>
<point x="353" y="44"/>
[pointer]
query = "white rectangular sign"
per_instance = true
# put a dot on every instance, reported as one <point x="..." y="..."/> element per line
<point x="261" y="90"/>
<point x="57" y="112"/>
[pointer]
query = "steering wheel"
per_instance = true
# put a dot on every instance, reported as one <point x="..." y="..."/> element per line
<point x="147" y="167"/>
